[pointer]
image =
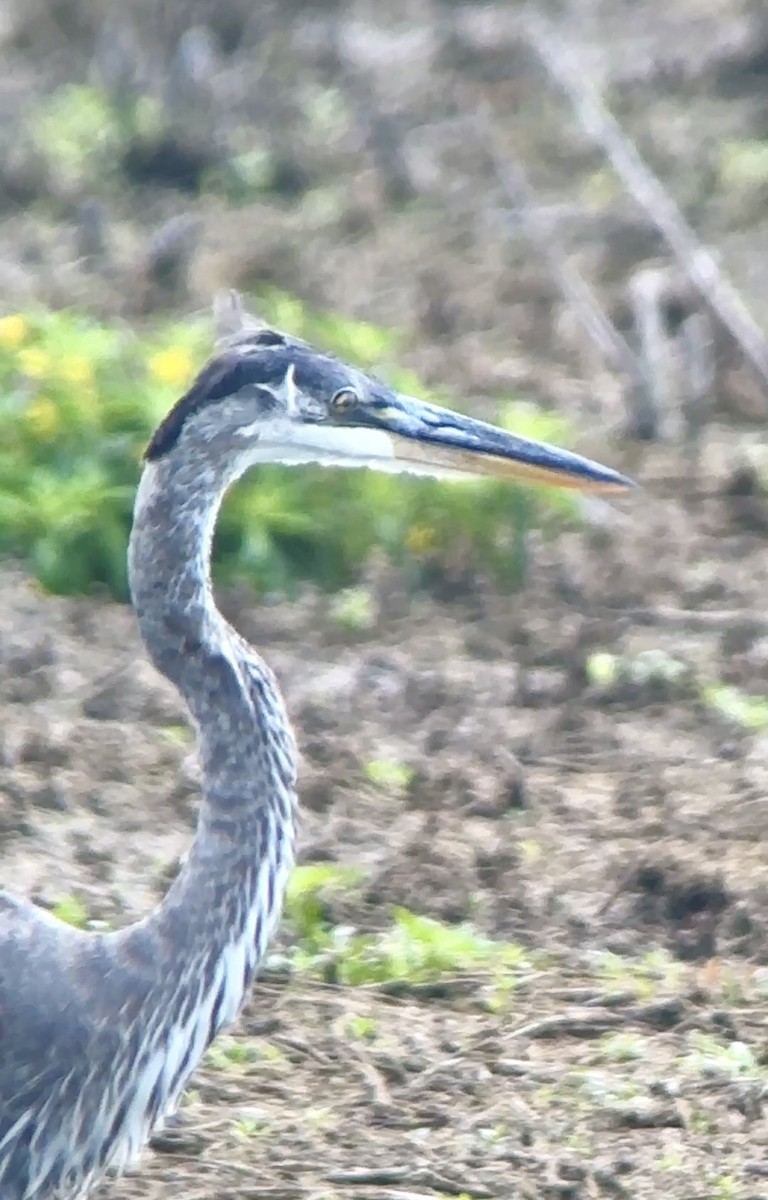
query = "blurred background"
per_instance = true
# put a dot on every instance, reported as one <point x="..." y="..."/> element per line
<point x="525" y="951"/>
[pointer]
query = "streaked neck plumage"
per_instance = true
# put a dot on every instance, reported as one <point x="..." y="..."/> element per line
<point x="223" y="907"/>
<point x="247" y="751"/>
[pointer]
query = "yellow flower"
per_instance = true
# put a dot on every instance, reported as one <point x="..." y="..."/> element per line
<point x="34" y="362"/>
<point x="13" y="330"/>
<point x="420" y="539"/>
<point x="43" y="418"/>
<point x="77" y="370"/>
<point x="173" y="366"/>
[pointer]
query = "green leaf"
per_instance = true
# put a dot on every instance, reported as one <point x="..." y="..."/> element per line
<point x="749" y="711"/>
<point x="72" y="911"/>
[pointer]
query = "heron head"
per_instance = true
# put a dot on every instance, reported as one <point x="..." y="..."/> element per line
<point x="269" y="398"/>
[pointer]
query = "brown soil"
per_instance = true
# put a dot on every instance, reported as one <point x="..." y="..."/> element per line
<point x="615" y="832"/>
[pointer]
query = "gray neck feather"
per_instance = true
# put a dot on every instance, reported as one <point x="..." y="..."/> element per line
<point x="225" y="903"/>
<point x="247" y="749"/>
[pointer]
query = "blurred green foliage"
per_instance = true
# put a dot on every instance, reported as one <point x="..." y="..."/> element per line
<point x="83" y="132"/>
<point x="72" y="911"/>
<point x="414" y="949"/>
<point x="750" y="712"/>
<point x="417" y="948"/>
<point x="74" y="129"/>
<point x="78" y="402"/>
<point x="743" y="164"/>
<point x="80" y="131"/>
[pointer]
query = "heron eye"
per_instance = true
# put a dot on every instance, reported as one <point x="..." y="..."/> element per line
<point x="344" y="400"/>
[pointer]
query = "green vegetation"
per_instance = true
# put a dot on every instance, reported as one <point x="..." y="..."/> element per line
<point x="657" y="973"/>
<point x="653" y="668"/>
<point x="249" y="1127"/>
<point x="751" y="712"/>
<point x="364" y="1029"/>
<point x="232" y="1055"/>
<point x="78" y="402"/>
<point x="354" y="609"/>
<point x="621" y="1047"/>
<point x="388" y="775"/>
<point x="415" y="949"/>
<point x="668" y="677"/>
<point x="80" y="130"/>
<point x="72" y="911"/>
<point x="310" y="890"/>
<point x="606" y="1089"/>
<point x="708" y="1056"/>
<point x="418" y="948"/>
<point x="743" y="164"/>
<point x="84" y="132"/>
<point x="724" y="1187"/>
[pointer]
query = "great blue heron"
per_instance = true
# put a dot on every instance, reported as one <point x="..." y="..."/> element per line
<point x="99" y="1031"/>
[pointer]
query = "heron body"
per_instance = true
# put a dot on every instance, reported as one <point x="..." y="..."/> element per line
<point x="99" y="1032"/>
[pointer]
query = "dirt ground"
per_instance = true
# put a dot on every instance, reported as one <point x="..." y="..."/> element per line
<point x="614" y="830"/>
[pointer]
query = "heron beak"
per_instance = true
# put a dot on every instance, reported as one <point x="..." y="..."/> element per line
<point x="428" y="436"/>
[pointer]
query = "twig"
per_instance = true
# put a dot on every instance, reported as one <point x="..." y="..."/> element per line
<point x="699" y="360"/>
<point x="423" y="1177"/>
<point x="301" y="1047"/>
<point x="378" y="130"/>
<point x="646" y="295"/>
<point x="716" y="618"/>
<point x="260" y="1192"/>
<point x="386" y="1194"/>
<point x="373" y="1176"/>
<point x="379" y="1092"/>
<point x="580" y="1025"/>
<point x="697" y="262"/>
<point x="520" y="1068"/>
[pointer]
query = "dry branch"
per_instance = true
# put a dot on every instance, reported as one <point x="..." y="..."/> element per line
<point x="577" y="292"/>
<point x="647" y="293"/>
<point x="378" y="130"/>
<point x="697" y="262"/>
<point x="585" y="1024"/>
<point x="698" y="349"/>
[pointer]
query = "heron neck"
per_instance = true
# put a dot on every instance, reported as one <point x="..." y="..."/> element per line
<point x="244" y="846"/>
<point x="169" y="571"/>
<point x="247" y="751"/>
<point x="172" y="980"/>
